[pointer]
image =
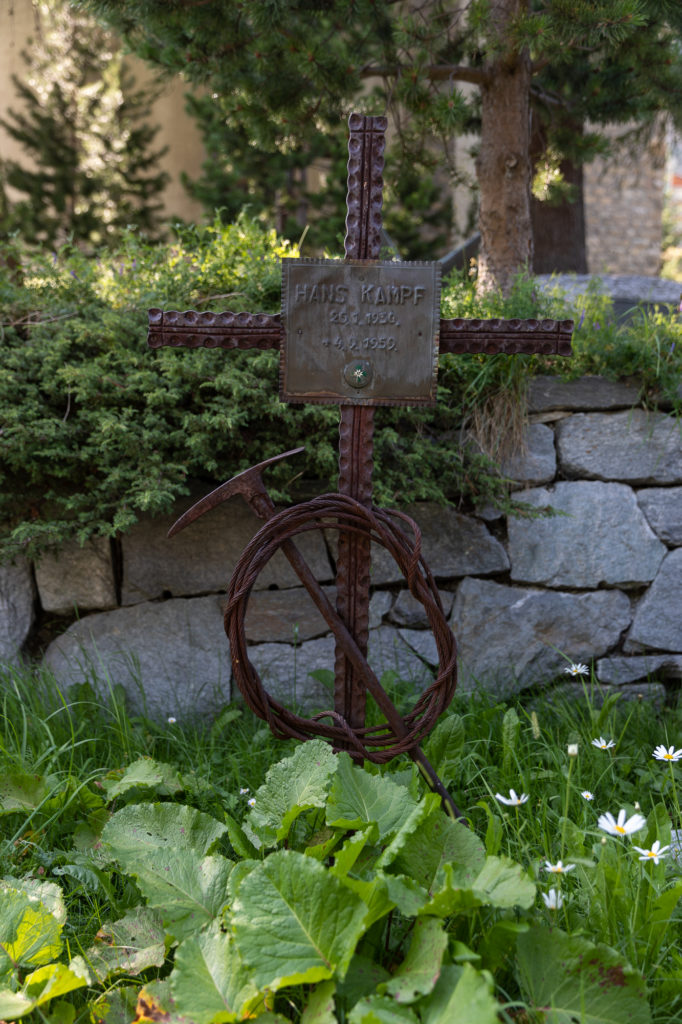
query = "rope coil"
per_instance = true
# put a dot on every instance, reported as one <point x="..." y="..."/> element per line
<point x="378" y="743"/>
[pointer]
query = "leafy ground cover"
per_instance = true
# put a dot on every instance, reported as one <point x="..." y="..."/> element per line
<point x="166" y="872"/>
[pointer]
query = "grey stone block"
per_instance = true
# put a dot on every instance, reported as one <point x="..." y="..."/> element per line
<point x="77" y="577"/>
<point x="637" y="447"/>
<point x="658" y="618"/>
<point x="601" y="539"/>
<point x="583" y="394"/>
<point x="388" y="651"/>
<point x="536" y="462"/>
<point x="201" y="558"/>
<point x="171" y="657"/>
<point x="452" y="545"/>
<point x="284" y="616"/>
<point x="510" y="638"/>
<point x="619" y="670"/>
<point x="422" y="642"/>
<point x="408" y="611"/>
<point x="380" y="605"/>
<point x="16" y="608"/>
<point x="284" y="671"/>
<point x="662" y="507"/>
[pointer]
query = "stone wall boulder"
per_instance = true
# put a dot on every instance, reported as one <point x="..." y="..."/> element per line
<point x="658" y="618"/>
<point x="636" y="446"/>
<point x="16" y="608"/>
<point x="171" y="657"/>
<point x="599" y="538"/>
<point x="200" y="559"/>
<point x="510" y="638"/>
<point x="77" y="578"/>
<point x="662" y="507"/>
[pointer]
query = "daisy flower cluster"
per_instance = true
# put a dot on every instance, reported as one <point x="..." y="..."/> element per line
<point x="619" y="826"/>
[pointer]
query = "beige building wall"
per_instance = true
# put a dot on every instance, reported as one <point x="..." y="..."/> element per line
<point x="177" y="130"/>
<point x="624" y="198"/>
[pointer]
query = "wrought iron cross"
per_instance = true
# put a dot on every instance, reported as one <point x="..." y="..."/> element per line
<point x="362" y="346"/>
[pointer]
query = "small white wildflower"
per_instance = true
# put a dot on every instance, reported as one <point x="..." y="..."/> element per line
<point x="252" y="802"/>
<point x="586" y="795"/>
<point x="244" y="790"/>
<point x="512" y="800"/>
<point x="621" y="827"/>
<point x="553" y="899"/>
<point x="572" y="749"/>
<point x="577" y="670"/>
<point x="655" y="853"/>
<point x="661" y="754"/>
<point x="603" y="744"/>
<point x="171" y="720"/>
<point x="558" y="868"/>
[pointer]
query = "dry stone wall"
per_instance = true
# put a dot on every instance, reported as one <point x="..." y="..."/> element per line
<point x="599" y="581"/>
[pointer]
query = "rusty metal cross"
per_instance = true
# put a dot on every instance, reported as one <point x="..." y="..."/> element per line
<point x="263" y="331"/>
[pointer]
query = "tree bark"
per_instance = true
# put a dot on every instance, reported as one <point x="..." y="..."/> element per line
<point x="503" y="165"/>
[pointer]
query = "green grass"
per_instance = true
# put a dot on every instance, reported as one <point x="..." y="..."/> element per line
<point x="63" y="761"/>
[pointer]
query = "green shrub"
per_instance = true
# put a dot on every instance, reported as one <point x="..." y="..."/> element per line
<point x="96" y="429"/>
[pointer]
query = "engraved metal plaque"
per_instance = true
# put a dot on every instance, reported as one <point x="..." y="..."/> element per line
<point x="359" y="332"/>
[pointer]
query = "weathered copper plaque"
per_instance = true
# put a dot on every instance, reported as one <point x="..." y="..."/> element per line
<point x="359" y="333"/>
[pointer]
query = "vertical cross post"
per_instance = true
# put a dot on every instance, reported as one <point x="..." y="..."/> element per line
<point x="356" y="427"/>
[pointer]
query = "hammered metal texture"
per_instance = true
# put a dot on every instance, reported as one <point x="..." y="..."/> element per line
<point x="356" y="427"/>
<point x="542" y="337"/>
<point x="338" y="312"/>
<point x="365" y="186"/>
<point x="190" y="329"/>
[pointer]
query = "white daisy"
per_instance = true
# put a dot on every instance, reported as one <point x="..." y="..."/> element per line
<point x="244" y="790"/>
<point x="252" y="802"/>
<point x="655" y="853"/>
<point x="661" y="754"/>
<point x="171" y="720"/>
<point x="586" y="795"/>
<point x="621" y="827"/>
<point x="512" y="800"/>
<point x="558" y="868"/>
<point x="553" y="899"/>
<point x="577" y="670"/>
<point x="603" y="744"/>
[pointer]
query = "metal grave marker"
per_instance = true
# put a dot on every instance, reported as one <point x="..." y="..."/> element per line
<point x="359" y="333"/>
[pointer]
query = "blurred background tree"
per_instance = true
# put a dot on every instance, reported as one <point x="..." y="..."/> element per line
<point x="92" y="169"/>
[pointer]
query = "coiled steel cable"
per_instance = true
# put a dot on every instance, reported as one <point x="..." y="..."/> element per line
<point x="379" y="743"/>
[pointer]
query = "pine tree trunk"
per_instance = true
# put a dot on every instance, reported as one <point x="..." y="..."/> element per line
<point x="503" y="166"/>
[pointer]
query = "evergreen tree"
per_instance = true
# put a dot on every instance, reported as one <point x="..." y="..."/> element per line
<point x="284" y="71"/>
<point x="81" y="122"/>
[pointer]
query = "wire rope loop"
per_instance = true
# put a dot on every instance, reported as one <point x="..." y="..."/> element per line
<point x="378" y="743"/>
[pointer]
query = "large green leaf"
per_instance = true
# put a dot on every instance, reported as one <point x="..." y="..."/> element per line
<point x="320" y="1006"/>
<point x="186" y="892"/>
<point x="39" y="988"/>
<point x="501" y="882"/>
<point x="209" y="981"/>
<point x="292" y="786"/>
<point x="358" y="799"/>
<point x="131" y="944"/>
<point x="381" y="1010"/>
<point x="30" y="935"/>
<point x="420" y="970"/>
<point x="461" y="996"/>
<point x="567" y="978"/>
<point x="144" y="830"/>
<point x="445" y="745"/>
<point x="20" y="791"/>
<point x="146" y="773"/>
<point x="295" y="922"/>
<point x="438" y="840"/>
